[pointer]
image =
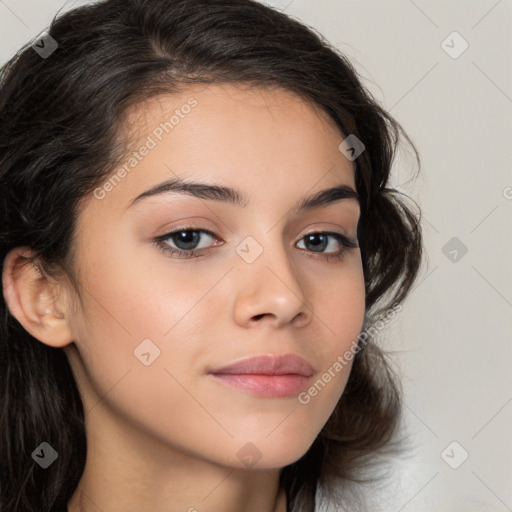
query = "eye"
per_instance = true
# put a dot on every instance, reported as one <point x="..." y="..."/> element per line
<point x="187" y="242"/>
<point x="318" y="242"/>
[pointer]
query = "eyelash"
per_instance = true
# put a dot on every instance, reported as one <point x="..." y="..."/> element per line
<point x="159" y="241"/>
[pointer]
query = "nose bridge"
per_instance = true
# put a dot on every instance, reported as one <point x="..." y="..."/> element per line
<point x="266" y="282"/>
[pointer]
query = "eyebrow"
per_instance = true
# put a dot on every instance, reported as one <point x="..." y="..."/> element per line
<point x="237" y="198"/>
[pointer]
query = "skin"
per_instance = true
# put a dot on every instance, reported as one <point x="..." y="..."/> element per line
<point x="165" y="437"/>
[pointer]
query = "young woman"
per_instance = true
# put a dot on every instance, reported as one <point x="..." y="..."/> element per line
<point x="197" y="239"/>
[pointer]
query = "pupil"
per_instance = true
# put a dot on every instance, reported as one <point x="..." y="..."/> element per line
<point x="321" y="243"/>
<point x="186" y="238"/>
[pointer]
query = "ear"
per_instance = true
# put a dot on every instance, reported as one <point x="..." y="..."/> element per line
<point x="35" y="300"/>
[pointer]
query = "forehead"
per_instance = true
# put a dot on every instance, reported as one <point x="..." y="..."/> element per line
<point x="226" y="100"/>
<point x="273" y="126"/>
<point x="261" y="141"/>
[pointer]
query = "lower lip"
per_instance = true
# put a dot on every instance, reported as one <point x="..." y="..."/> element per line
<point x="270" y="386"/>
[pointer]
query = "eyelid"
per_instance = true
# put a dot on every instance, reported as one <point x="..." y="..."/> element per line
<point x="312" y="231"/>
<point x="347" y="243"/>
<point x="179" y="229"/>
<point x="336" y="232"/>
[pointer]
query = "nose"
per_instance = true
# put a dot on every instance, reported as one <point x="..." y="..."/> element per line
<point x="269" y="290"/>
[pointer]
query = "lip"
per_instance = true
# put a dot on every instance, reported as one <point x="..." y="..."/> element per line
<point x="267" y="375"/>
<point x="268" y="365"/>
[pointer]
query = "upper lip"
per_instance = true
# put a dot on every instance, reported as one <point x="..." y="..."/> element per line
<point x="287" y="364"/>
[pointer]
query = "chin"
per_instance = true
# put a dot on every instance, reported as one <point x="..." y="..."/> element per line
<point x="270" y="454"/>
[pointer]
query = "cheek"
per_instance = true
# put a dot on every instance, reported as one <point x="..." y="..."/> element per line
<point x="340" y="306"/>
<point x="144" y="329"/>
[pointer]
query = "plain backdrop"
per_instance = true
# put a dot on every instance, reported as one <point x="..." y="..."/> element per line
<point x="452" y="92"/>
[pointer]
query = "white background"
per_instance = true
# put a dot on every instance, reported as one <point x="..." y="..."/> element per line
<point x="452" y="340"/>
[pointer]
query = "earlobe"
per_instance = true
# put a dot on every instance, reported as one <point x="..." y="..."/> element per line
<point x="31" y="299"/>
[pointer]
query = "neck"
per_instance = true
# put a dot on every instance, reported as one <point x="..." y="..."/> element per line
<point x="129" y="471"/>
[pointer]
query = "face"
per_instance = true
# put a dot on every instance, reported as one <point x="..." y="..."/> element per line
<point x="246" y="274"/>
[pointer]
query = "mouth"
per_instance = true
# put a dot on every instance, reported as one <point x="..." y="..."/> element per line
<point x="267" y="376"/>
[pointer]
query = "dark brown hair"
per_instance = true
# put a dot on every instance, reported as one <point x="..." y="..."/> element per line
<point x="60" y="120"/>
